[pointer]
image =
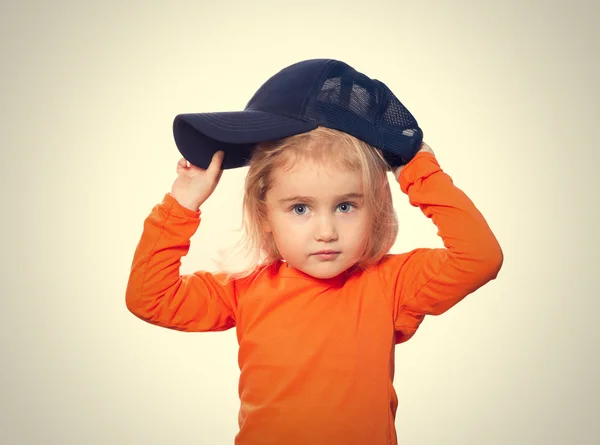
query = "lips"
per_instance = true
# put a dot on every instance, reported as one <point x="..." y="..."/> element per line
<point x="326" y="255"/>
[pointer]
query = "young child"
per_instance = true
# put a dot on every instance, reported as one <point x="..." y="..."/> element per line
<point x="322" y="304"/>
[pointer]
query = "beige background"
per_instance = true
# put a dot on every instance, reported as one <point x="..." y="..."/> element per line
<point x="507" y="94"/>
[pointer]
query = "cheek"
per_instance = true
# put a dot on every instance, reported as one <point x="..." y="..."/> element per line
<point x="357" y="228"/>
<point x="267" y="226"/>
<point x="285" y="230"/>
<point x="276" y="221"/>
<point x="273" y="220"/>
<point x="355" y="221"/>
<point x="286" y="221"/>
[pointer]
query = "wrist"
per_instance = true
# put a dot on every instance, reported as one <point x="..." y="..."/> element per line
<point x="420" y="167"/>
<point x="188" y="203"/>
<point x="422" y="153"/>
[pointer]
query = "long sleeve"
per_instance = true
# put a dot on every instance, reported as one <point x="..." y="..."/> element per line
<point x="158" y="294"/>
<point x="430" y="281"/>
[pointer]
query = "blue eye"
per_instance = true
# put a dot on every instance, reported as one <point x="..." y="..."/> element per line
<point x="345" y="207"/>
<point x="299" y="209"/>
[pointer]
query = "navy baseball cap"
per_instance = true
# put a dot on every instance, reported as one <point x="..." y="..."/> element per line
<point x="297" y="99"/>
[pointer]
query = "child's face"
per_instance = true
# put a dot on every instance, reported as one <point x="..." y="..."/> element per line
<point x="313" y="208"/>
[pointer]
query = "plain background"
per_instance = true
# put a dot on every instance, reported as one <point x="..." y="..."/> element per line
<point x="507" y="95"/>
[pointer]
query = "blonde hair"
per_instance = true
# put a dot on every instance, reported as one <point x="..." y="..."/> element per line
<point x="325" y="146"/>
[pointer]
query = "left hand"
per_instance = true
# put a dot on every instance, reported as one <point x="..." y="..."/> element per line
<point x="424" y="148"/>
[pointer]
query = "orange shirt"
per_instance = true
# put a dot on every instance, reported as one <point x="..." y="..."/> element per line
<point x="316" y="356"/>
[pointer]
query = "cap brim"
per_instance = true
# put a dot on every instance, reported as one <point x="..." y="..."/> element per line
<point x="199" y="136"/>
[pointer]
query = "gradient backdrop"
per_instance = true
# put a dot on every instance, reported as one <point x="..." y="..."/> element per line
<point x="507" y="95"/>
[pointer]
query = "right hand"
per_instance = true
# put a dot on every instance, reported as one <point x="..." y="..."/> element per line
<point x="194" y="185"/>
<point x="424" y="148"/>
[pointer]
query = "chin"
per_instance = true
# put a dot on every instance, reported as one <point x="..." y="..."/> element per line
<point x="324" y="273"/>
<point x="322" y="276"/>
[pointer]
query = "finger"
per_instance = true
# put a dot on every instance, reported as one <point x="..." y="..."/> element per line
<point x="425" y="147"/>
<point x="182" y="163"/>
<point x="218" y="178"/>
<point x="215" y="164"/>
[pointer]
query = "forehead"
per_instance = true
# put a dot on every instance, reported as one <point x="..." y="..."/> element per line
<point x="314" y="179"/>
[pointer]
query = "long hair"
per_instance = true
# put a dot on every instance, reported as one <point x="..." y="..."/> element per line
<point x="323" y="145"/>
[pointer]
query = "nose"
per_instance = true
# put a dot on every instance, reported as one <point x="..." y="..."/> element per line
<point x="325" y="229"/>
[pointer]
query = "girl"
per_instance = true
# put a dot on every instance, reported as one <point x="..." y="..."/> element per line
<point x="322" y="305"/>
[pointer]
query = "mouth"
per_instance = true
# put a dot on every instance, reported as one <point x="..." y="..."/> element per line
<point x="326" y="254"/>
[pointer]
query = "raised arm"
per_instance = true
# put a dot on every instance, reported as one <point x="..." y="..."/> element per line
<point x="158" y="293"/>
<point x="431" y="281"/>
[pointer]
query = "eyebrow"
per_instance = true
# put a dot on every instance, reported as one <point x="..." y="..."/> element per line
<point x="311" y="199"/>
